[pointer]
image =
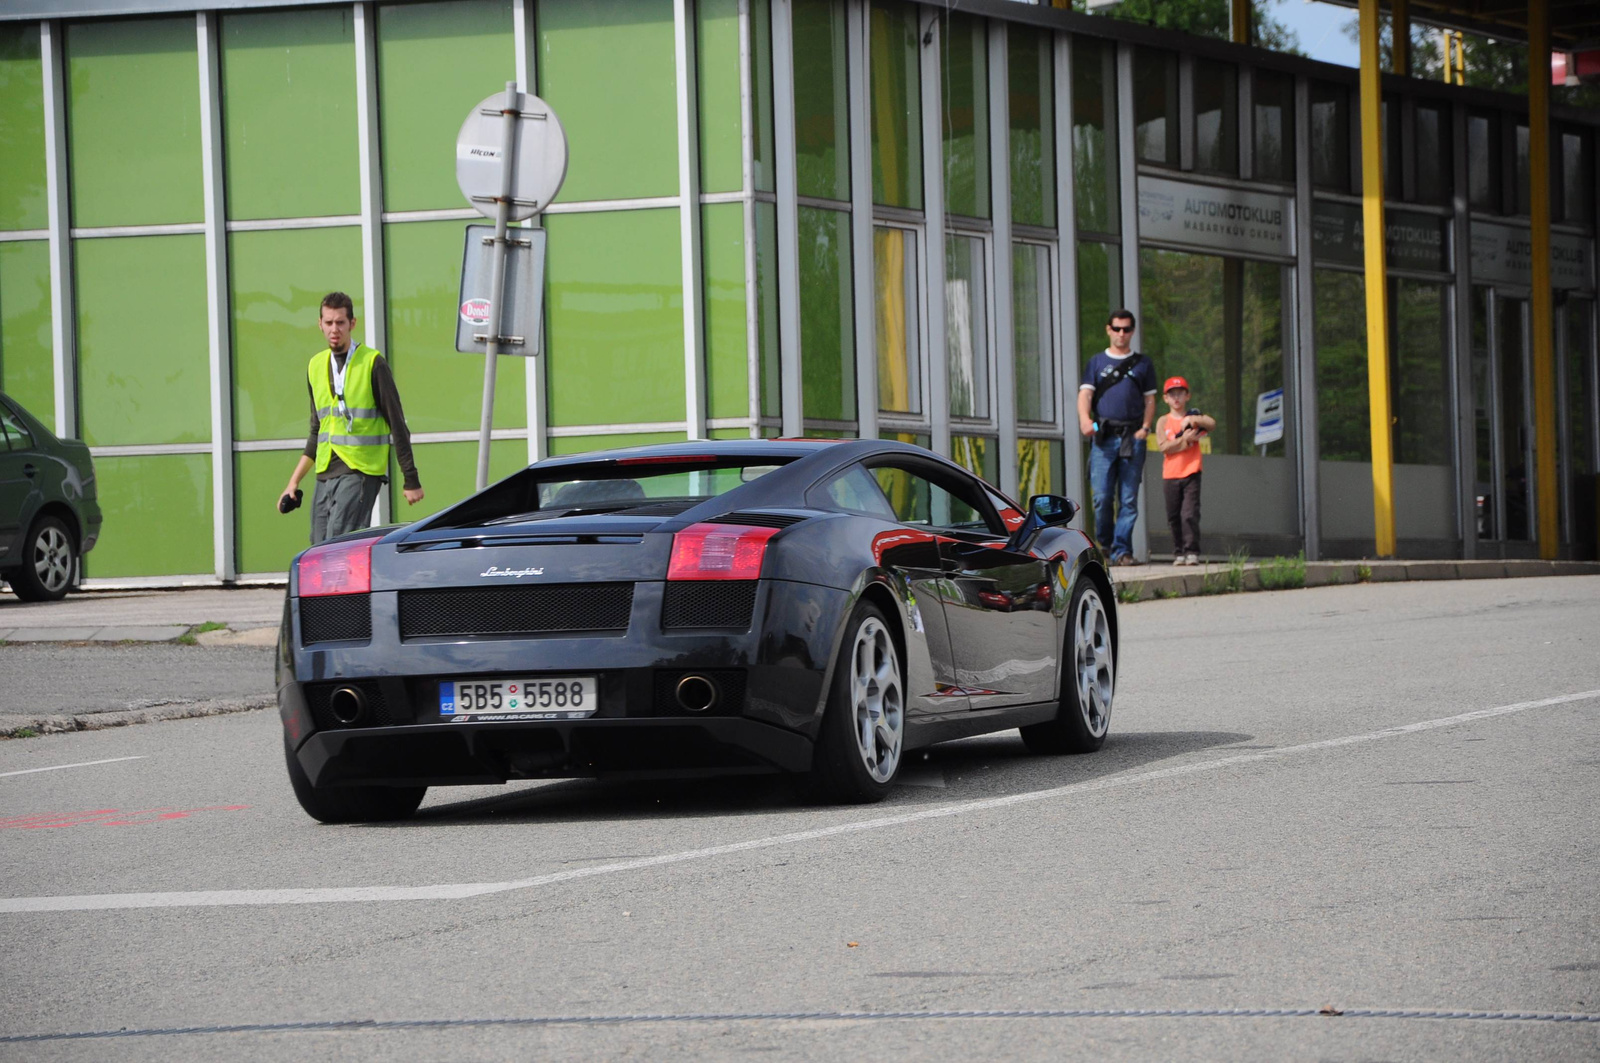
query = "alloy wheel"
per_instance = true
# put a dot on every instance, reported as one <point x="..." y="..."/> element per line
<point x="52" y="558"/>
<point x="876" y="699"/>
<point x="1091" y="645"/>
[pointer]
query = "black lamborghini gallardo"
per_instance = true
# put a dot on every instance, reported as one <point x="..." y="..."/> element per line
<point x="812" y="607"/>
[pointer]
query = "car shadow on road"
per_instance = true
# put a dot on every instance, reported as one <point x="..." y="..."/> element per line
<point x="993" y="765"/>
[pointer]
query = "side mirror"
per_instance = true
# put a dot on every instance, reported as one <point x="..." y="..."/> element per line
<point x="1044" y="511"/>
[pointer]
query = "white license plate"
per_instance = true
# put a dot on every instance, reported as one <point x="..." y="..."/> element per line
<point x="562" y="697"/>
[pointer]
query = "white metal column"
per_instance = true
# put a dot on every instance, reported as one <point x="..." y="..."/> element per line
<point x="1005" y="364"/>
<point x="747" y="186"/>
<point x="933" y="212"/>
<point x="1305" y="362"/>
<point x="1128" y="166"/>
<point x="63" y="304"/>
<point x="217" y="307"/>
<point x="373" y="308"/>
<point x="786" y="181"/>
<point x="527" y="53"/>
<point x="1069" y="359"/>
<point x="858" y="30"/>
<point x="694" y="391"/>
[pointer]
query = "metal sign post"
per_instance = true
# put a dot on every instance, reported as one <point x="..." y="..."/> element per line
<point x="511" y="158"/>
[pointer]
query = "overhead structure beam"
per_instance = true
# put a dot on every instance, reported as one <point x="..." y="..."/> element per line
<point x="1239" y="21"/>
<point x="1376" y="283"/>
<point x="1540" y="306"/>
<point x="1400" y="30"/>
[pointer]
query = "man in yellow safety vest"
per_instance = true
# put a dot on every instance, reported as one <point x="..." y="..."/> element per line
<point x="355" y="418"/>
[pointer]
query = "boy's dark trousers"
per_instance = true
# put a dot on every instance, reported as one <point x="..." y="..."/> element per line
<point x="1183" y="513"/>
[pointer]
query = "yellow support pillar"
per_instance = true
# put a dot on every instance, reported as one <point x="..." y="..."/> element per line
<point x="1376" y="282"/>
<point x="1542" y="311"/>
<point x="1239" y="21"/>
<point x="1400" y="35"/>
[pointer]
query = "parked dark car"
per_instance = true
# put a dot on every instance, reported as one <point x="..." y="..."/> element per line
<point x="811" y="607"/>
<point x="48" y="514"/>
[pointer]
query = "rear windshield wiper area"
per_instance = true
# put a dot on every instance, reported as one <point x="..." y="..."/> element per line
<point x="662" y="507"/>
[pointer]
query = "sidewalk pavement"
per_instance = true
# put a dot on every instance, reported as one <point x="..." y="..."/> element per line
<point x="248" y="616"/>
<point x="1140" y="582"/>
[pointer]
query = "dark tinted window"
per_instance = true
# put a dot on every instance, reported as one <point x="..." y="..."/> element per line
<point x="1483" y="162"/>
<point x="1432" y="151"/>
<point x="1273" y="102"/>
<point x="1216" y="117"/>
<point x="1330" y="137"/>
<point x="1155" y="106"/>
<point x="17" y="436"/>
<point x="935" y="500"/>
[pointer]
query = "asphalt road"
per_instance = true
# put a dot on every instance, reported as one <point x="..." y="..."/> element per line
<point x="1303" y="804"/>
<point x="47" y="678"/>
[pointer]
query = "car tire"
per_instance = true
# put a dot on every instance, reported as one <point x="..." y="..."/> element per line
<point x="1088" y="680"/>
<point x="49" y="562"/>
<point x="862" y="738"/>
<point x="351" y="804"/>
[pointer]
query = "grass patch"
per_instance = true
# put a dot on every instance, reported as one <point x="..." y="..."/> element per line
<point x="187" y="639"/>
<point x="1128" y="593"/>
<point x="1284" y="573"/>
<point x="209" y="625"/>
<point x="25" y="732"/>
<point x="1166" y="592"/>
<point x="1363" y="572"/>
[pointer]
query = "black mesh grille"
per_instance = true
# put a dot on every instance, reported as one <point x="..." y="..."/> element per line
<point x="335" y="618"/>
<point x="560" y="607"/>
<point x="318" y="696"/>
<point x="709" y="603"/>
<point x="729" y="682"/>
<point x="752" y="518"/>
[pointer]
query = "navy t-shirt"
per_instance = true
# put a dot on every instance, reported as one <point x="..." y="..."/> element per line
<point x="1124" y="400"/>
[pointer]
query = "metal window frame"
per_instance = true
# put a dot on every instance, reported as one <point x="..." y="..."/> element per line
<point x="858" y="77"/>
<point x="899" y="420"/>
<point x="983" y="233"/>
<point x="1466" y="441"/>
<point x="689" y="222"/>
<point x="1001" y="302"/>
<point x="786" y="188"/>
<point x="63" y="294"/>
<point x="938" y="396"/>
<point x="214" y="194"/>
<point x="1054" y="284"/>
<point x="752" y="288"/>
<point x="1068" y="330"/>
<point x="1129" y="203"/>
<point x="1309" y="449"/>
<point x="373" y="290"/>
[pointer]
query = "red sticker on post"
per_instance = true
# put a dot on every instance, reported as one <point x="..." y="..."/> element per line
<point x="475" y="311"/>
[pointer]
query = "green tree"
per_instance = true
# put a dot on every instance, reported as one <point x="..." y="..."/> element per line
<point x="1207" y="18"/>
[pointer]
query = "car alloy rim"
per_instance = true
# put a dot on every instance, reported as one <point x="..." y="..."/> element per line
<point x="1091" y="644"/>
<point x="876" y="699"/>
<point x="52" y="559"/>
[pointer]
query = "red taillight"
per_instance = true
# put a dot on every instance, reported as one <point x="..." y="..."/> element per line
<point x="337" y="568"/>
<point x="719" y="551"/>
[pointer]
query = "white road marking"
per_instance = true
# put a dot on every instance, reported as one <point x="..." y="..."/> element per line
<point x="64" y="767"/>
<point x="458" y="891"/>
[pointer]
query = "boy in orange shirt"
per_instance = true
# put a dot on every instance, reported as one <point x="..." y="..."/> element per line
<point x="1179" y="435"/>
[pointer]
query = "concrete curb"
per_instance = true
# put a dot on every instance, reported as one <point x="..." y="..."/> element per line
<point x="1143" y="584"/>
<point x="96" y="721"/>
<point x="257" y="635"/>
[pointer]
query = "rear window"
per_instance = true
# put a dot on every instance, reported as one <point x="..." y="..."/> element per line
<point x="631" y="487"/>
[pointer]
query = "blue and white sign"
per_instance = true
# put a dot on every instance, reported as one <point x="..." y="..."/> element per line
<point x="1269" y="417"/>
<point x="447" y="699"/>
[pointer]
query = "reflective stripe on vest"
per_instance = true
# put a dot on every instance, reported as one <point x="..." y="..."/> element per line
<point x="357" y="433"/>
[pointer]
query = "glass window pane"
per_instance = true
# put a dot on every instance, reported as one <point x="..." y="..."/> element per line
<point x="143" y="373"/>
<point x="1434" y="184"/>
<point x="614" y="318"/>
<point x="289" y="76"/>
<point x="1155" y="106"/>
<point x="157" y="512"/>
<point x="1273" y="103"/>
<point x="894" y="256"/>
<point x="978" y="454"/>
<point x="27" y="366"/>
<point x="966" y="305"/>
<point x="1034" y="342"/>
<point x="761" y="89"/>
<point x="965" y="68"/>
<point x="1094" y="154"/>
<point x="721" y="124"/>
<point x="1041" y="468"/>
<point x="1523" y="187"/>
<point x="1421" y="375"/>
<point x="1216" y="117"/>
<point x="727" y="340"/>
<point x="1033" y="141"/>
<point x="1516" y="424"/>
<point x="1482" y="417"/>
<point x="1099" y="293"/>
<point x="276" y="283"/>
<point x="1577" y="177"/>
<point x="821" y="100"/>
<point x="1330" y="137"/>
<point x="133" y="122"/>
<point x="771" y="369"/>
<point x="266" y="540"/>
<point x="827" y="333"/>
<point x="1483" y="163"/>
<point x="22" y="176"/>
<point x="1340" y="327"/>
<point x="622" y="131"/>
<point x="896" y="105"/>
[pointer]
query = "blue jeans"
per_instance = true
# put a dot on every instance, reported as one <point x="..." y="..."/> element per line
<point x="1113" y="476"/>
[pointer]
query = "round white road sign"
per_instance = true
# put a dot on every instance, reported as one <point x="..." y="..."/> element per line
<point x="540" y="155"/>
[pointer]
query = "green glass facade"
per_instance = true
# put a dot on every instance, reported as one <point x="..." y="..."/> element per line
<point x="331" y="131"/>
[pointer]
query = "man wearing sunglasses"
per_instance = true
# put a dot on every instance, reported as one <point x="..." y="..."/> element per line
<point x="1116" y="406"/>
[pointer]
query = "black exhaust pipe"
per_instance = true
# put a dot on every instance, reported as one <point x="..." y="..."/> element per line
<point x="696" y="693"/>
<point x="348" y="705"/>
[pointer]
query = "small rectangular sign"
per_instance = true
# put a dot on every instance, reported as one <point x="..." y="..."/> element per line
<point x="1503" y="254"/>
<point x="1269" y="417"/>
<point x="1412" y="240"/>
<point x="1215" y="219"/>
<point x="521" y="320"/>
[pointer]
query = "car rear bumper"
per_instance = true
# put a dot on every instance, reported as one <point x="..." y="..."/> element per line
<point x="474" y="753"/>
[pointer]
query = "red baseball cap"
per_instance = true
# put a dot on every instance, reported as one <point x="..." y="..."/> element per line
<point x="1175" y="382"/>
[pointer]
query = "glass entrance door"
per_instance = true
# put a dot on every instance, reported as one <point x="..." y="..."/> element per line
<point x="1503" y="415"/>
